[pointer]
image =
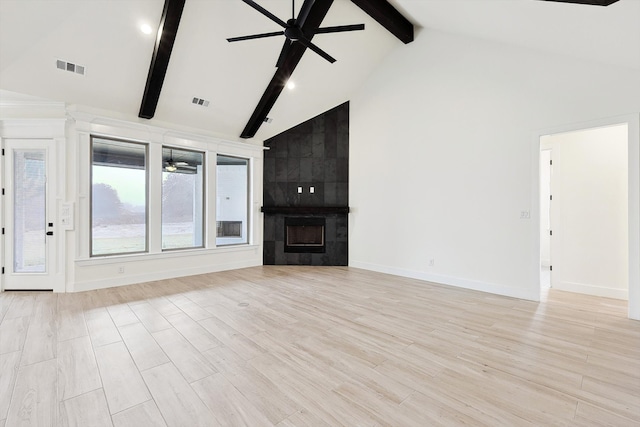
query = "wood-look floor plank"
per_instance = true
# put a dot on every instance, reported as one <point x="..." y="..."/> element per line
<point x="22" y="304"/>
<point x="101" y="328"/>
<point x="121" y="380"/>
<point x="177" y="401"/>
<point x="13" y="333"/>
<point x="71" y="324"/>
<point x="144" y="414"/>
<point x="303" y="418"/>
<point x="229" y="406"/>
<point x="231" y="338"/>
<point x="199" y="337"/>
<point x="34" y="401"/>
<point x="307" y="392"/>
<point x="9" y="364"/>
<point x="150" y="317"/>
<point x="121" y="314"/>
<point x="40" y="342"/>
<point x="89" y="409"/>
<point x="192" y="309"/>
<point x="6" y="298"/>
<point x="77" y="368"/>
<point x="587" y="414"/>
<point x="189" y="361"/>
<point x="260" y="391"/>
<point x="144" y="349"/>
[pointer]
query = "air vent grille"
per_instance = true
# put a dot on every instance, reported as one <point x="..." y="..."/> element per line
<point x="70" y="66"/>
<point x="200" y="101"/>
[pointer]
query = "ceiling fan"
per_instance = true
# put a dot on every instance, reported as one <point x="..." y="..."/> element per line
<point x="293" y="30"/>
<point x="171" y="165"/>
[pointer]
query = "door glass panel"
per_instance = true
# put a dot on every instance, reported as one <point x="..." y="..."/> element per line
<point x="29" y="241"/>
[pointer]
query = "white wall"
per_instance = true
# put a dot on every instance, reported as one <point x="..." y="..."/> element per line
<point x="441" y="160"/>
<point x="590" y="244"/>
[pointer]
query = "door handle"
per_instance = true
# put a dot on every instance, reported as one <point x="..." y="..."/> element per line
<point x="49" y="233"/>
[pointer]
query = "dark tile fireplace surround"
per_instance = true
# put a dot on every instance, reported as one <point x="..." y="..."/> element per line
<point x="306" y="192"/>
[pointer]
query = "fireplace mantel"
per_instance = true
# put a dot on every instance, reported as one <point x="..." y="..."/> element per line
<point x="305" y="210"/>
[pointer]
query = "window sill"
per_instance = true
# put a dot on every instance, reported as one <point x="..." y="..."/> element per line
<point x="119" y="259"/>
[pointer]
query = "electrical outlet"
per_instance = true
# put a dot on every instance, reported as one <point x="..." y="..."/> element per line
<point x="432" y="262"/>
<point x="120" y="270"/>
<point x="525" y="214"/>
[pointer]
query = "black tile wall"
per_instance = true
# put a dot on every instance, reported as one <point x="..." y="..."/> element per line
<point x="312" y="154"/>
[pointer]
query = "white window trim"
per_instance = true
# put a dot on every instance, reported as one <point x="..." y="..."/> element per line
<point x="88" y="125"/>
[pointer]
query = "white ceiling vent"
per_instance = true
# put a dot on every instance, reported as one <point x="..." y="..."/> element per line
<point x="200" y="101"/>
<point x="70" y="66"/>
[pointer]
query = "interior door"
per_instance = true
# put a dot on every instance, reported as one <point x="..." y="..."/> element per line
<point x="29" y="209"/>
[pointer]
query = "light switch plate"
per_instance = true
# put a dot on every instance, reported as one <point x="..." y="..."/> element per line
<point x="67" y="216"/>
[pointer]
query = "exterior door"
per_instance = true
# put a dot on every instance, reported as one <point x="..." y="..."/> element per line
<point x="29" y="209"/>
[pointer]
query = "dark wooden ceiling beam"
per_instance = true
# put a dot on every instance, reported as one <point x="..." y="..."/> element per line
<point x="389" y="17"/>
<point x="589" y="2"/>
<point x="276" y="85"/>
<point x="167" y="31"/>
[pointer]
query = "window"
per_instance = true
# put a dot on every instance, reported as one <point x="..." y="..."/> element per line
<point x="182" y="199"/>
<point x="118" y="197"/>
<point x="232" y="207"/>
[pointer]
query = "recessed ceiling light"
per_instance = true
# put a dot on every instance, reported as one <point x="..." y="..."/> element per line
<point x="291" y="85"/>
<point x="146" y="28"/>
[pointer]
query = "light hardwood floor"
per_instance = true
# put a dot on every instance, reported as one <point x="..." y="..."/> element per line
<point x="305" y="346"/>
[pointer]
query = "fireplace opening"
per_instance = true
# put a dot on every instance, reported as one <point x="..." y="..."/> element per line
<point x="304" y="235"/>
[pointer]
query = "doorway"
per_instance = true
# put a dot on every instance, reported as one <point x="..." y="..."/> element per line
<point x="546" y="167"/>
<point x="29" y="214"/>
<point x="590" y="203"/>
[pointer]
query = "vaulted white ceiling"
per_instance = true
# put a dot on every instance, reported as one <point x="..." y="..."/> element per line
<point x="104" y="36"/>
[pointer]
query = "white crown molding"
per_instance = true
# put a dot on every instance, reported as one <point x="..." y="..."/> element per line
<point x="33" y="128"/>
<point x="113" y="127"/>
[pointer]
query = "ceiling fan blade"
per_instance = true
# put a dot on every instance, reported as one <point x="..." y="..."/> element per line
<point x="266" y="13"/>
<point x="588" y="2"/>
<point x="255" y="36"/>
<point x="304" y="12"/>
<point x="284" y="52"/>
<point x="316" y="49"/>
<point x="339" y="29"/>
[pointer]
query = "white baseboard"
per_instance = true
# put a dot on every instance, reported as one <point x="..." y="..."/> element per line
<point x="532" y="294"/>
<point x="598" y="291"/>
<point x="161" y="275"/>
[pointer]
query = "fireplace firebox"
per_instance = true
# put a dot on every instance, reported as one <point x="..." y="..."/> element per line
<point x="304" y="234"/>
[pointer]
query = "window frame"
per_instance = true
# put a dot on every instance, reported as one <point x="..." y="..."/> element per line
<point x="147" y="196"/>
<point x="204" y="200"/>
<point x="249" y="187"/>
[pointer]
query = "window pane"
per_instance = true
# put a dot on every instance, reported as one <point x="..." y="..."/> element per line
<point x="29" y="245"/>
<point x="232" y="200"/>
<point x="182" y="199"/>
<point x="118" y="197"/>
